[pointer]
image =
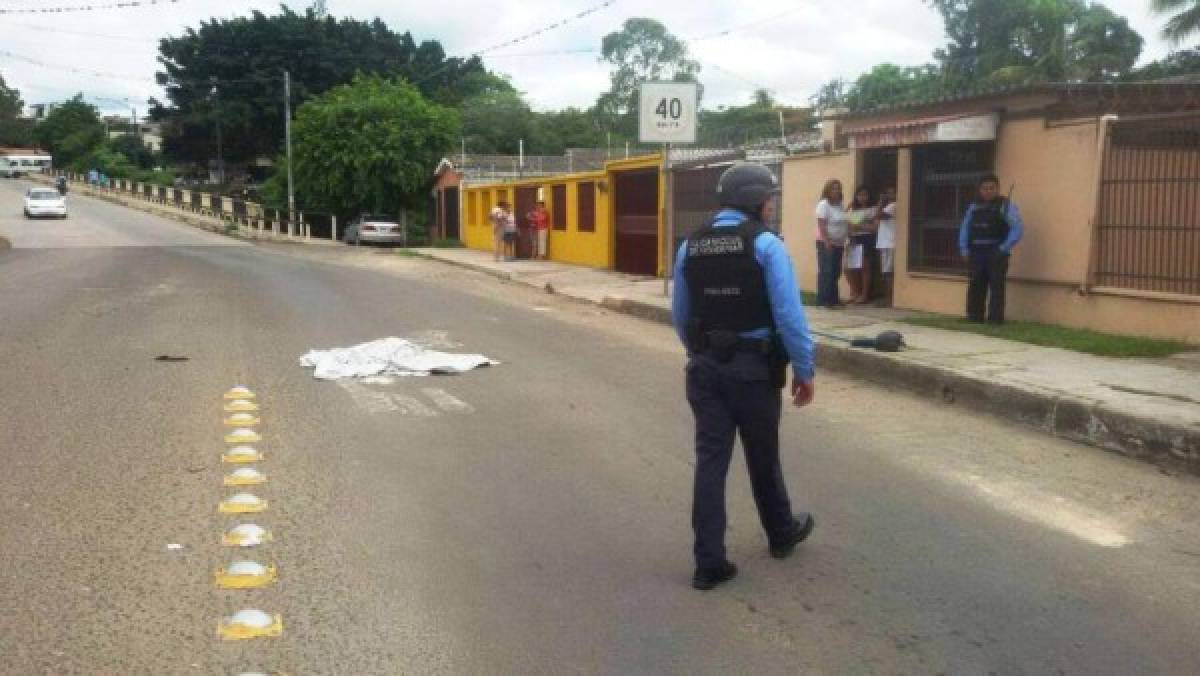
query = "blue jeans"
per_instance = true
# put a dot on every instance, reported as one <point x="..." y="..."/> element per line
<point x="829" y="270"/>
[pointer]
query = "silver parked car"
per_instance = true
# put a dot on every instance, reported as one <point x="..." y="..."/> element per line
<point x="374" y="229"/>
<point x="45" y="203"/>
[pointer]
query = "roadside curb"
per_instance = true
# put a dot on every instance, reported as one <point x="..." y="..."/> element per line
<point x="1172" y="446"/>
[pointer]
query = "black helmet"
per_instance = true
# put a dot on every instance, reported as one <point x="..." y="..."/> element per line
<point x="746" y="186"/>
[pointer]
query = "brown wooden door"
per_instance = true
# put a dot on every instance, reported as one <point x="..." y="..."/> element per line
<point x="636" y="217"/>
<point x="525" y="201"/>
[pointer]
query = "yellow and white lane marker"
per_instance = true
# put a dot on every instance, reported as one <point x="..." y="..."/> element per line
<point x="242" y="503"/>
<point x="245" y="476"/>
<point x="245" y="575"/>
<point x="239" y="393"/>
<point x="248" y="623"/>
<point x="246" y="535"/>
<point x="242" y="420"/>
<point x="242" y="435"/>
<point x="240" y="406"/>
<point x="239" y="455"/>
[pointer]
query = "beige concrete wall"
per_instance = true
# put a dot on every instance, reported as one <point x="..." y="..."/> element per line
<point x="1054" y="170"/>
<point x="803" y="178"/>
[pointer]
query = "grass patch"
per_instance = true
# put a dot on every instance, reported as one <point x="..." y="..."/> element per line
<point x="409" y="253"/>
<point x="809" y="298"/>
<point x="447" y="244"/>
<point x="1048" y="335"/>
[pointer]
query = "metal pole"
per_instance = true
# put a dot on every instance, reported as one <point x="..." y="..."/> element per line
<point x="669" y="247"/>
<point x="782" y="132"/>
<point x="333" y="227"/>
<point x="220" y="151"/>
<point x="287" y="132"/>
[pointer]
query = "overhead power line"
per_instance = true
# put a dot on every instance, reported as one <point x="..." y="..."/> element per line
<point x="126" y="4"/>
<point x="545" y="29"/>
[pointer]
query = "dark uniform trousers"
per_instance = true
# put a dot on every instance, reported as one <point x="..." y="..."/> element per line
<point x="989" y="274"/>
<point x="735" y="397"/>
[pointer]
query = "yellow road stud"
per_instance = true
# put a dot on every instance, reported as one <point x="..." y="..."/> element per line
<point x="240" y="406"/>
<point x="242" y="503"/>
<point x="242" y="420"/>
<point x="239" y="392"/>
<point x="241" y="455"/>
<point x="242" y="436"/>
<point x="246" y="535"/>
<point x="245" y="575"/>
<point x="249" y="623"/>
<point x="245" y="476"/>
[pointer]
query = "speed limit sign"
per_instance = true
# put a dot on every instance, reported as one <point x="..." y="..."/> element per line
<point x="667" y="112"/>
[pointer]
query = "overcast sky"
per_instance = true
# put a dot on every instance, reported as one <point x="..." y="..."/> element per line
<point x="787" y="46"/>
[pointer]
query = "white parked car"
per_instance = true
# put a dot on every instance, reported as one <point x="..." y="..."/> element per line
<point x="45" y="203"/>
<point x="374" y="229"/>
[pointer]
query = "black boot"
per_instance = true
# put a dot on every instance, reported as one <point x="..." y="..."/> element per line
<point x="707" y="578"/>
<point x="801" y="529"/>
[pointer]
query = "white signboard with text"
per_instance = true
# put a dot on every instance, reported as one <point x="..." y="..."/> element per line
<point x="667" y="112"/>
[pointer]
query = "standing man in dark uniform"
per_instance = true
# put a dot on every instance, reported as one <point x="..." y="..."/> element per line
<point x="989" y="231"/>
<point x="737" y="309"/>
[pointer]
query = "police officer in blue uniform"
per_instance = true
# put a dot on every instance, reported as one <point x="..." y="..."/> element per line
<point x="738" y="311"/>
<point x="990" y="229"/>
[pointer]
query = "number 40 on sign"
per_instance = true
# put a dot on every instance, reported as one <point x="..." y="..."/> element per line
<point x="667" y="112"/>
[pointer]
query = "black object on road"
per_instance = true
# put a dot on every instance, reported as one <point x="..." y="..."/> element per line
<point x="886" y="341"/>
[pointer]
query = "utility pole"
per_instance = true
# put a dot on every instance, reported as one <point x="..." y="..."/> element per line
<point x="220" y="151"/>
<point x="287" y="132"/>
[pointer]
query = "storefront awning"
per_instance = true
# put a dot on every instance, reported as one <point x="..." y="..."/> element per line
<point x="913" y="131"/>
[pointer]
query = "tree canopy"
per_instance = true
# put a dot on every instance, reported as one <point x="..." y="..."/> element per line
<point x="232" y="69"/>
<point x="1002" y="42"/>
<point x="14" y="131"/>
<point x="642" y="51"/>
<point x="368" y="145"/>
<point x="71" y="131"/>
<point x="1184" y="20"/>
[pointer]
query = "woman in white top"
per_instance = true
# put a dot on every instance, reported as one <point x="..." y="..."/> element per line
<point x="832" y="230"/>
<point x="885" y="243"/>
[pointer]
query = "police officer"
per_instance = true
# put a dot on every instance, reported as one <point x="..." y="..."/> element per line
<point x="990" y="229"/>
<point x="737" y="309"/>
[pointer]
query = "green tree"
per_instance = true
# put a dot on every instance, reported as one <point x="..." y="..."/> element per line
<point x="1184" y="62"/>
<point x="556" y="131"/>
<point x="369" y="145"/>
<point x="737" y="125"/>
<point x="232" y="70"/>
<point x="1184" y="21"/>
<point x="495" y="120"/>
<point x="14" y="130"/>
<point x="642" y="51"/>
<point x="133" y="148"/>
<point x="1017" y="41"/>
<point x="71" y="131"/>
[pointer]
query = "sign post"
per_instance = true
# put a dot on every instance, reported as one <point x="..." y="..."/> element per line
<point x="667" y="115"/>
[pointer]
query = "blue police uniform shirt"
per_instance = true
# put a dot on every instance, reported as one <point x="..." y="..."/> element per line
<point x="1016" y="228"/>
<point x="782" y="292"/>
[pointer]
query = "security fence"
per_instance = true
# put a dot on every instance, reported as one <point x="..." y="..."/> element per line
<point x="1148" y="216"/>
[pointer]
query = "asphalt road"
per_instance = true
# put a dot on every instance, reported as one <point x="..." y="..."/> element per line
<point x="531" y="517"/>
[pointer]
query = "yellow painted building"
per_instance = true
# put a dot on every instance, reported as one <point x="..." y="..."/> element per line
<point x="609" y="219"/>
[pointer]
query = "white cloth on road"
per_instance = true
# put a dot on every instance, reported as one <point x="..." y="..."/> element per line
<point x="389" y="356"/>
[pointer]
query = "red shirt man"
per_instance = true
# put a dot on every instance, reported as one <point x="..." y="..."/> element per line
<point x="539" y="219"/>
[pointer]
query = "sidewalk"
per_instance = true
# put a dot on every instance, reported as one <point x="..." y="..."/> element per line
<point x="1143" y="408"/>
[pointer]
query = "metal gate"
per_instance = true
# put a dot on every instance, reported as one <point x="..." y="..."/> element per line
<point x="1148" y="212"/>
